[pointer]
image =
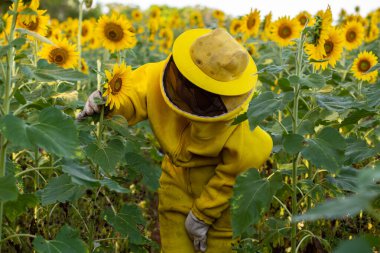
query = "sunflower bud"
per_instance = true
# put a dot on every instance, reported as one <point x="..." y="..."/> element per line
<point x="88" y="3"/>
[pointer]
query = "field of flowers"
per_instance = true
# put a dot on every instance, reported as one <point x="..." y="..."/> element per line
<point x="90" y="186"/>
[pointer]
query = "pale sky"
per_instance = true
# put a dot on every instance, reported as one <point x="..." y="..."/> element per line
<point x="278" y="7"/>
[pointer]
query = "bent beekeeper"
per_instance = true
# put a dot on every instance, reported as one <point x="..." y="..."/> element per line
<point x="191" y="99"/>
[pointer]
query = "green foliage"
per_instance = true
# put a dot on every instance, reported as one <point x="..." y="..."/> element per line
<point x="8" y="189"/>
<point x="53" y="131"/>
<point x="127" y="223"/>
<point x="67" y="241"/>
<point x="252" y="197"/>
<point x="60" y="189"/>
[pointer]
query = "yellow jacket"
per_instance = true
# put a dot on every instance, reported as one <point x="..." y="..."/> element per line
<point x="192" y="141"/>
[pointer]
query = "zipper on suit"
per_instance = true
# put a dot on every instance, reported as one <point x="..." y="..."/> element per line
<point x="179" y="147"/>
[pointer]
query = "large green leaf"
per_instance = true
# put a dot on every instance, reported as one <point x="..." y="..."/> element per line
<point x="261" y="107"/>
<point x="80" y="174"/>
<point x="8" y="188"/>
<point x="326" y="150"/>
<point x="106" y="155"/>
<point x="252" y="197"/>
<point x="336" y="104"/>
<point x="14" y="209"/>
<point x="150" y="171"/>
<point x="357" y="245"/>
<point x="313" y="81"/>
<point x="338" y="208"/>
<point x="366" y="190"/>
<point x="67" y="241"/>
<point x="50" y="72"/>
<point x="127" y="222"/>
<point x="53" y="131"/>
<point x="357" y="151"/>
<point x="60" y="189"/>
<point x="293" y="143"/>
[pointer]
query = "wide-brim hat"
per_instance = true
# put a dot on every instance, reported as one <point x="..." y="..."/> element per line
<point x="227" y="67"/>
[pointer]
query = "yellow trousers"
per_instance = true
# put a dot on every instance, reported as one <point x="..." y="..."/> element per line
<point x="179" y="187"/>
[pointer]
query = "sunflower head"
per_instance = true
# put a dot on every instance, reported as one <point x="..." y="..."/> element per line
<point x="117" y="85"/>
<point x="353" y="34"/>
<point x="284" y="30"/>
<point x="35" y="23"/>
<point x="320" y="29"/>
<point x="362" y="66"/>
<point x="218" y="14"/>
<point x="251" y="23"/>
<point x="155" y="12"/>
<point x="115" y="32"/>
<point x="137" y="15"/>
<point x="235" y="26"/>
<point x="332" y="50"/>
<point x="62" y="54"/>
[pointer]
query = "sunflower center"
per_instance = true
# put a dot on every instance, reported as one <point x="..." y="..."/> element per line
<point x="116" y="84"/>
<point x="251" y="22"/>
<point x="350" y="36"/>
<point x="113" y="32"/>
<point x="364" y="65"/>
<point x="58" y="56"/>
<point x="237" y="27"/>
<point x="303" y="20"/>
<point x="329" y="46"/>
<point x="284" y="31"/>
<point x="32" y="25"/>
<point x="84" y="31"/>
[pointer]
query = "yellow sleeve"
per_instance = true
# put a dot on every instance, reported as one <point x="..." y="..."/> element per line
<point x="135" y="107"/>
<point x="244" y="149"/>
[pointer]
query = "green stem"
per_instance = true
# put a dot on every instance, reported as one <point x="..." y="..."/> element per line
<point x="34" y="169"/>
<point x="17" y="235"/>
<point x="6" y="106"/>
<point x="297" y="94"/>
<point x="80" y="19"/>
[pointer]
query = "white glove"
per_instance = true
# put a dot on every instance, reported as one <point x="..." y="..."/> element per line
<point x="90" y="108"/>
<point x="197" y="231"/>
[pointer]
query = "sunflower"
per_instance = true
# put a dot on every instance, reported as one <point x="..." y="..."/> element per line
<point x="196" y="19"/>
<point x="115" y="33"/>
<point x="137" y="15"/>
<point x="84" y="66"/>
<point x="323" y="25"/>
<point x="252" y="50"/>
<point x="362" y="64"/>
<point x="267" y="23"/>
<point x="304" y="17"/>
<point x="333" y="48"/>
<point x="39" y="25"/>
<point x="235" y="26"/>
<point x="61" y="53"/>
<point x="117" y="85"/>
<point x="284" y="30"/>
<point x="155" y="12"/>
<point x="251" y="23"/>
<point x="25" y="4"/>
<point x="87" y="29"/>
<point x="219" y="15"/>
<point x="353" y="34"/>
<point x="372" y="30"/>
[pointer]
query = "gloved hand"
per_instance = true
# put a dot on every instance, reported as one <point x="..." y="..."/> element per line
<point x="90" y="108"/>
<point x="197" y="231"/>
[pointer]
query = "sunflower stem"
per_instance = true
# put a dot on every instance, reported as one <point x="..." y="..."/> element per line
<point x="6" y="106"/>
<point x="297" y="94"/>
<point x="100" y="123"/>
<point x="80" y="19"/>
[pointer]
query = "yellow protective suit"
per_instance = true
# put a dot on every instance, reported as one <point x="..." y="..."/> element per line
<point x="203" y="156"/>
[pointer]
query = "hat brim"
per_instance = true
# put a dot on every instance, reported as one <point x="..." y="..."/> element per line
<point x="182" y="58"/>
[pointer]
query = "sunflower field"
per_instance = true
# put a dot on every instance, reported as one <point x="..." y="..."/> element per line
<point x="91" y="185"/>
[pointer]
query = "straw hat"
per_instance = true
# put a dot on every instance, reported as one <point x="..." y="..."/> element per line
<point x="214" y="61"/>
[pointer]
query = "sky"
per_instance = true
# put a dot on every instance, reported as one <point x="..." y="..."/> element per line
<point x="277" y="7"/>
